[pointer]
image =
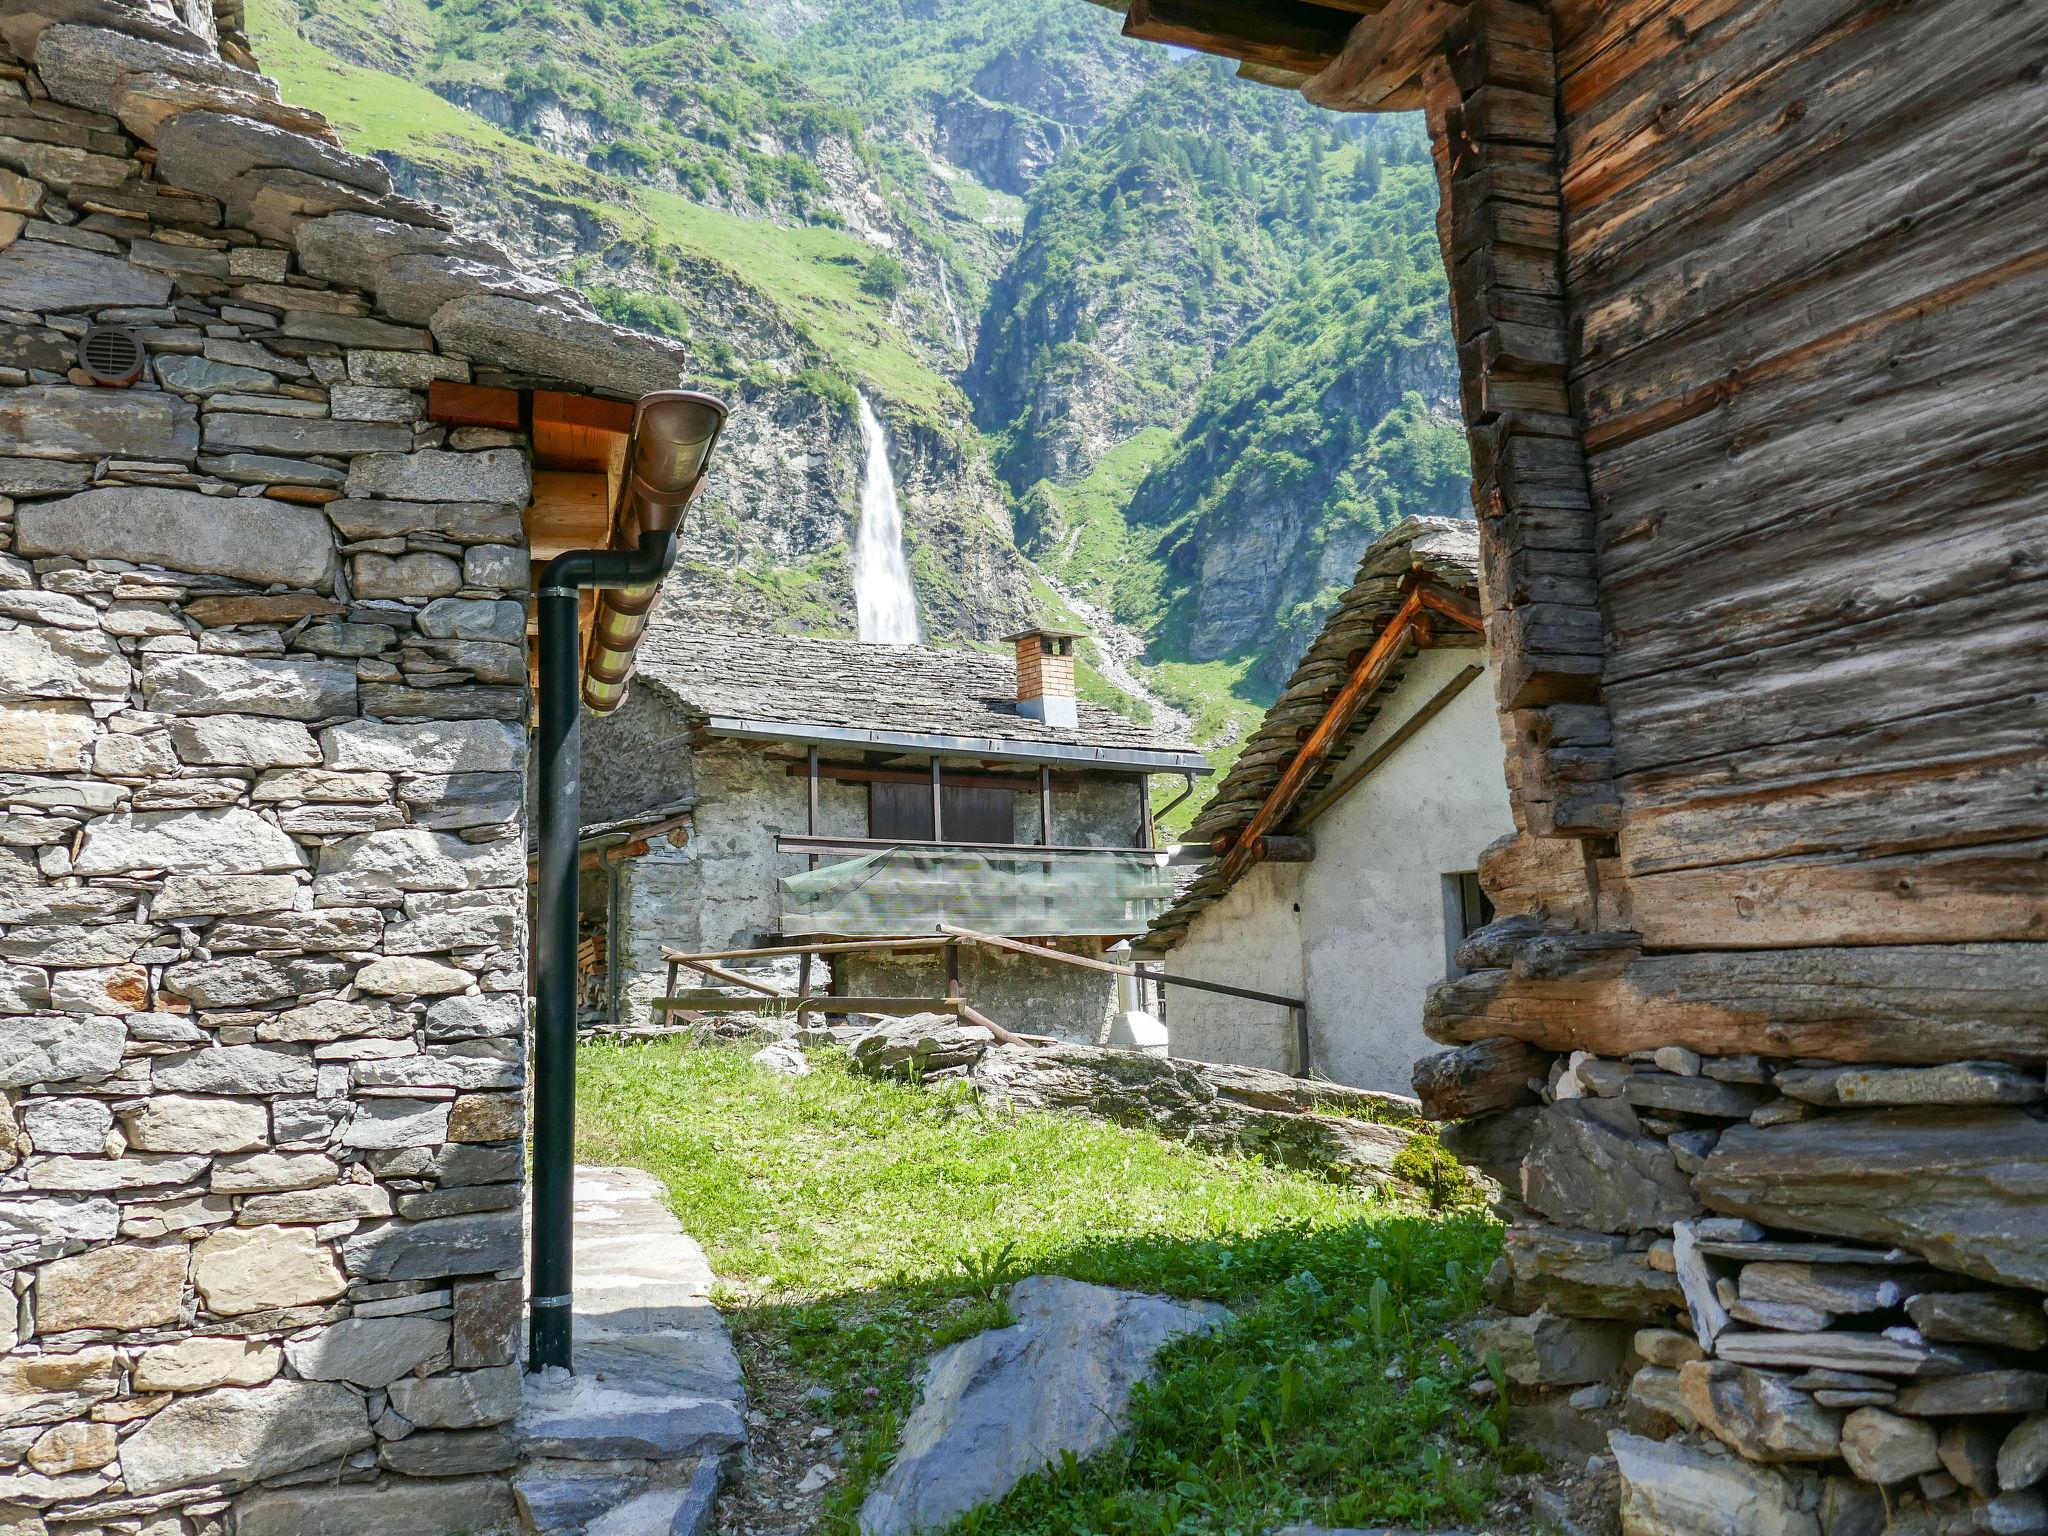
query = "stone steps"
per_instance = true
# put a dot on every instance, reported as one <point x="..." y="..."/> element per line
<point x="635" y="1441"/>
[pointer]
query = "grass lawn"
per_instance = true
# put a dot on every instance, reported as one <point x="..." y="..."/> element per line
<point x="857" y="1226"/>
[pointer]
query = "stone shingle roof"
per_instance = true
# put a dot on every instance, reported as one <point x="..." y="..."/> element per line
<point x="219" y="129"/>
<point x="892" y="692"/>
<point x="1446" y="549"/>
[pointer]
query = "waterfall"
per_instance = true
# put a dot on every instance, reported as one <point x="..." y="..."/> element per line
<point x="881" y="577"/>
<point x="952" y="310"/>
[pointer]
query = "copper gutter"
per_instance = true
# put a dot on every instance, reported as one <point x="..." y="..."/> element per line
<point x="672" y="438"/>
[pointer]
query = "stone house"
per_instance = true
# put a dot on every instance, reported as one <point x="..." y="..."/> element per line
<point x="268" y="440"/>
<point x="1371" y="879"/>
<point x="765" y="788"/>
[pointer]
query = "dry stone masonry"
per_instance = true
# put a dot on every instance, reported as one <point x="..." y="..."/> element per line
<point x="1823" y="1281"/>
<point x="262" y="753"/>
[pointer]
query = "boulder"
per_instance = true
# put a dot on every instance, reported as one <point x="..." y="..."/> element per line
<point x="1482" y="1078"/>
<point x="266" y="177"/>
<point x="250" y="1070"/>
<point x="371" y="1351"/>
<point x="1000" y="1405"/>
<point x="1994" y="1391"/>
<point x="254" y="1269"/>
<point x="49" y="1388"/>
<point x="1884" y="1448"/>
<point x="1758" y="1413"/>
<point x="1969" y="1453"/>
<point x="245" y="1434"/>
<point x="490" y="475"/>
<point x="2023" y="1456"/>
<point x="440" y="747"/>
<point x="1980" y="1317"/>
<point x="918" y="1046"/>
<point x="245" y="741"/>
<point x="45" y="277"/>
<point x="1669" y="1488"/>
<point x="496" y="620"/>
<point x="251" y="538"/>
<point x="459" y="1399"/>
<point x="436" y="1249"/>
<point x="300" y="437"/>
<point x="289" y="689"/>
<point x="1589" y="1164"/>
<point x="380" y="866"/>
<point x="45" y="735"/>
<point x="38" y="662"/>
<point x="479" y="1506"/>
<point x="1961" y="1187"/>
<point x="87" y="67"/>
<point x="200" y="1364"/>
<point x="1580" y="1274"/>
<point x="1545" y="1351"/>
<point x="224" y="841"/>
<point x="379" y="1124"/>
<point x="557" y="339"/>
<point x="413" y="976"/>
<point x="343" y="247"/>
<point x="172" y="1122"/>
<point x="784" y="1057"/>
<point x="412" y="287"/>
<point x="240" y="981"/>
<point x="123" y="1286"/>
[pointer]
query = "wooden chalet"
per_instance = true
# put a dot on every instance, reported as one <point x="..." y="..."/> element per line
<point x="1748" y="299"/>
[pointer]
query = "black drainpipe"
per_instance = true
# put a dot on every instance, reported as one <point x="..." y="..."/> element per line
<point x="655" y="505"/>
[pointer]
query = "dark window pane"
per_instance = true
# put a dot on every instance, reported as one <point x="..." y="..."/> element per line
<point x="900" y="811"/>
<point x="980" y="815"/>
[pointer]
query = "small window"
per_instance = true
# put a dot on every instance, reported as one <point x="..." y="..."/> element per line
<point x="1467" y="908"/>
<point x="904" y="812"/>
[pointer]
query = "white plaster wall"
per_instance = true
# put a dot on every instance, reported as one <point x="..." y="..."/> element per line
<point x="1370" y="937"/>
<point x="1251" y="938"/>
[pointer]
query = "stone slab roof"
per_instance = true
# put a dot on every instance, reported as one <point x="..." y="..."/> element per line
<point x="1444" y="548"/>
<point x="219" y="130"/>
<point x="802" y="688"/>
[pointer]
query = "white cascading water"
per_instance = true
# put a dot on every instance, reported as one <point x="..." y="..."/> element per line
<point x="952" y="310"/>
<point x="881" y="576"/>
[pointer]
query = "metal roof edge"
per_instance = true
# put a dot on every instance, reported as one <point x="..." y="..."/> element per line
<point x="1160" y="760"/>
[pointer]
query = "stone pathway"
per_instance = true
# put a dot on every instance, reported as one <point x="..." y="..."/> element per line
<point x="634" y="1443"/>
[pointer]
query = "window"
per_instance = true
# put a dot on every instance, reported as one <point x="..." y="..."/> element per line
<point x="904" y="811"/>
<point x="1467" y="908"/>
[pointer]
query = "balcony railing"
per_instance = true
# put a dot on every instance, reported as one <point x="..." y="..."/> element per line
<point x="866" y="888"/>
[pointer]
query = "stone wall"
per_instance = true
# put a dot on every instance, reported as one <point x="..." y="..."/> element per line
<point x="262" y="874"/>
<point x="1822" y="1283"/>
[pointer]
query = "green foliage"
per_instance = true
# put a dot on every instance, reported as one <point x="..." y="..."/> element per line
<point x="884" y="276"/>
<point x="642" y="311"/>
<point x="861" y="1225"/>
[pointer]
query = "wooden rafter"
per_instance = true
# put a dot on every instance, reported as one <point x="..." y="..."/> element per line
<point x="1289" y="35"/>
<point x="1424" y="596"/>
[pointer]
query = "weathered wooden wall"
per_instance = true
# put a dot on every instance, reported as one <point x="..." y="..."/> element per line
<point x="1805" y="263"/>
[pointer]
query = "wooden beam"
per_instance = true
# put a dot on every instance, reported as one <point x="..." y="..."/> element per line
<point x="733" y="978"/>
<point x="822" y="947"/>
<point x="1378" y="67"/>
<point x="1274" y="34"/>
<point x="473" y="405"/>
<point x="571" y="509"/>
<point x="1407" y="728"/>
<point x="721" y="1002"/>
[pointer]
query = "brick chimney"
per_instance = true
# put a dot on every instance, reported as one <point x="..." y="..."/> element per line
<point x="1045" y="675"/>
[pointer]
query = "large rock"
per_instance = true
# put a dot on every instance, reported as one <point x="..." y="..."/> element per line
<point x="380" y="866"/>
<point x="297" y="437"/>
<point x="371" y="1351"/>
<point x="235" y="1069"/>
<point x="917" y="1046"/>
<point x="45" y="276"/>
<point x="1178" y="1099"/>
<point x="39" y="662"/>
<point x="1000" y="1405"/>
<point x="228" y="841"/>
<point x="557" y="339"/>
<point x="239" y="981"/>
<point x="63" y="421"/>
<point x="245" y="1434"/>
<point x="122" y="1286"/>
<point x="1963" y="1188"/>
<point x="251" y="538"/>
<point x="267" y="177"/>
<point x="45" y="735"/>
<point x="344" y="247"/>
<point x="1580" y="1274"/>
<point x="1758" y="1413"/>
<point x="201" y="1364"/>
<point x="1545" y="1351"/>
<point x="1589" y="1164"/>
<point x="428" y="747"/>
<point x="88" y="66"/>
<point x="492" y="474"/>
<point x="253" y="1269"/>
<point x="173" y="1122"/>
<point x="459" y="1399"/>
<point x="2023" y="1455"/>
<point x="50" y="1388"/>
<point x="1669" y="1488"/>
<point x="478" y="1506"/>
<point x="436" y="1249"/>
<point x="1883" y="1447"/>
<point x="412" y="287"/>
<point x="56" y="1048"/>
<point x="245" y="741"/>
<point x="291" y="689"/>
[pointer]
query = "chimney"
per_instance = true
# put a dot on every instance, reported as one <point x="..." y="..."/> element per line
<point x="1045" y="675"/>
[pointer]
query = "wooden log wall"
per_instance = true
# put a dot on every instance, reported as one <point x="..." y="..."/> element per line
<point x="1805" y="262"/>
<point x="1491" y="100"/>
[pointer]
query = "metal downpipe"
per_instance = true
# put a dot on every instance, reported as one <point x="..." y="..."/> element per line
<point x="673" y="435"/>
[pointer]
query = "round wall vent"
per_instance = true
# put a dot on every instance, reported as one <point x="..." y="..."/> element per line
<point x="112" y="356"/>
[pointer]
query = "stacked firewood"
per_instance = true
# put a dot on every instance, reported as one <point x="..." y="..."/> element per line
<point x="1823" y="1282"/>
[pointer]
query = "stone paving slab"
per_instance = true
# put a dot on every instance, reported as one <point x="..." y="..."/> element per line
<point x="635" y="1441"/>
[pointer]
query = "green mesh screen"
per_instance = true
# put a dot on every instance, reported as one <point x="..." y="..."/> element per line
<point x="898" y="891"/>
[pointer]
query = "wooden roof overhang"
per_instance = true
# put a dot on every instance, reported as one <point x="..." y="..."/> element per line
<point x="579" y="463"/>
<point x="1349" y="55"/>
